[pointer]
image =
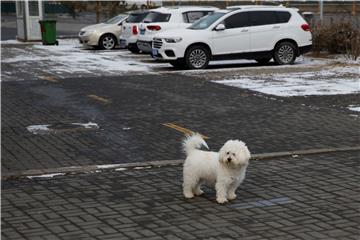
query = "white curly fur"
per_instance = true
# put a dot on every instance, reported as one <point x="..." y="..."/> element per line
<point x="225" y="169"/>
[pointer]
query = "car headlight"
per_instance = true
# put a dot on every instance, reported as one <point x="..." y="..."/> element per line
<point x="88" y="32"/>
<point x="91" y="31"/>
<point x="173" y="40"/>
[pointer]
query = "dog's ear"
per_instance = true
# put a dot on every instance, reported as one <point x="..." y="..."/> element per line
<point x="246" y="152"/>
<point x="221" y="154"/>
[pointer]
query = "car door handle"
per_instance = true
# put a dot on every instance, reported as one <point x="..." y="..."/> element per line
<point x="276" y="27"/>
<point x="245" y="30"/>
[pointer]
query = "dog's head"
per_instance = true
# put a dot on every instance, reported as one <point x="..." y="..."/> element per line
<point x="234" y="153"/>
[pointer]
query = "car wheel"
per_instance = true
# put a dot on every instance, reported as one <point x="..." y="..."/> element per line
<point x="263" y="60"/>
<point x="285" y="53"/>
<point x="178" y="64"/>
<point x="107" y="42"/>
<point x="134" y="49"/>
<point x="197" y="57"/>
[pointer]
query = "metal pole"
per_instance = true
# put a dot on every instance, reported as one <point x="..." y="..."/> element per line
<point x="354" y="8"/>
<point x="321" y="11"/>
<point x="97" y="11"/>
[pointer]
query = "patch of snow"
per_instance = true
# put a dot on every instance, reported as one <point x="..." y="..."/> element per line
<point x="38" y="129"/>
<point x="120" y="169"/>
<point x="87" y="125"/>
<point x="334" y="81"/>
<point x="70" y="57"/>
<point x="137" y="168"/>
<point x="14" y="41"/>
<point x="46" y="175"/>
<point x="46" y="128"/>
<point x="106" y="166"/>
<point x="355" y="108"/>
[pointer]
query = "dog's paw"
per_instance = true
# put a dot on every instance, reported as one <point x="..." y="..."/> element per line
<point x="232" y="196"/>
<point x="199" y="192"/>
<point x="221" y="200"/>
<point x="188" y="195"/>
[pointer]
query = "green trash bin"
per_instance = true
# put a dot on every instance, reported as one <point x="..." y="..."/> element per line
<point x="48" y="32"/>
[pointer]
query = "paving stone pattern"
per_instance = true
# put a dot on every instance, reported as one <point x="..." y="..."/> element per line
<point x="131" y="127"/>
<point x="313" y="197"/>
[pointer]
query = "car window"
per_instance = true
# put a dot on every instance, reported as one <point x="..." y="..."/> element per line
<point x="258" y="18"/>
<point x="136" y="17"/>
<point x="157" y="17"/>
<point x="190" y="17"/>
<point x="283" y="17"/>
<point x="115" y="19"/>
<point x="206" y="21"/>
<point x="238" y="20"/>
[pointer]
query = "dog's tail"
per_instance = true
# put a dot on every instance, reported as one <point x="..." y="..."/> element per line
<point x="192" y="142"/>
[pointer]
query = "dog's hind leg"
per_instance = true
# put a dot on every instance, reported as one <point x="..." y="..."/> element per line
<point x="197" y="189"/>
<point x="189" y="186"/>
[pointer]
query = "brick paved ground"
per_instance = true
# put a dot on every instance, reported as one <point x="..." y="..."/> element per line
<point x="312" y="197"/>
<point x="131" y="127"/>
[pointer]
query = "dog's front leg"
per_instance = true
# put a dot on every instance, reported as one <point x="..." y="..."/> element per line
<point x="231" y="195"/>
<point x="221" y="191"/>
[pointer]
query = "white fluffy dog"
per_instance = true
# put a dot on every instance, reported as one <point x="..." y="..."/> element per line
<point x="224" y="169"/>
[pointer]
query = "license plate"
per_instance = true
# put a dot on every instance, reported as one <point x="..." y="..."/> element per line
<point x="122" y="43"/>
<point x="154" y="52"/>
<point x="142" y="31"/>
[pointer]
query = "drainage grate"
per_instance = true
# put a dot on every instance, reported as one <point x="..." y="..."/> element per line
<point x="262" y="203"/>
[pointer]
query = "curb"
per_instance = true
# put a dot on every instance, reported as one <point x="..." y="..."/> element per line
<point x="161" y="163"/>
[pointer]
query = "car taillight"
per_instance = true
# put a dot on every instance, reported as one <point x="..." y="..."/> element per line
<point x="154" y="27"/>
<point x="134" y="30"/>
<point x="305" y="27"/>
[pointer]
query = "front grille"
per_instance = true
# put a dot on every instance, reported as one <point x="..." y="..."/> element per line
<point x="157" y="43"/>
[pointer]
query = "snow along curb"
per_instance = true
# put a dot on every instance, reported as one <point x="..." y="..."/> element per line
<point x="43" y="173"/>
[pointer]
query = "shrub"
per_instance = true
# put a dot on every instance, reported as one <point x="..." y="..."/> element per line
<point x="337" y="38"/>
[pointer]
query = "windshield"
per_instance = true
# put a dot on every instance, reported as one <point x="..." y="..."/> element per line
<point x="206" y="21"/>
<point x="115" y="19"/>
<point x="156" y="17"/>
<point x="136" y="17"/>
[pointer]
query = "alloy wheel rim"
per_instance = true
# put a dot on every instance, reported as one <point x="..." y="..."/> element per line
<point x="286" y="53"/>
<point x="198" y="58"/>
<point x="108" y="42"/>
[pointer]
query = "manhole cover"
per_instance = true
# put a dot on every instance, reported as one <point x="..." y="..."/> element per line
<point x="61" y="127"/>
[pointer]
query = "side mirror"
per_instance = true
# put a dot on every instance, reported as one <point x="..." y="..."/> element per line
<point x="220" y="27"/>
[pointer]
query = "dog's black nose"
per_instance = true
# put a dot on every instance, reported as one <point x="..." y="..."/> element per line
<point x="229" y="159"/>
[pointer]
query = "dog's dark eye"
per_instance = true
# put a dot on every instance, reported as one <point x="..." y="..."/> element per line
<point x="233" y="154"/>
<point x="227" y="153"/>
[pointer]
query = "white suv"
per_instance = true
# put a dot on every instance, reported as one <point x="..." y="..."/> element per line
<point x="130" y="30"/>
<point x="166" y="18"/>
<point x="249" y="32"/>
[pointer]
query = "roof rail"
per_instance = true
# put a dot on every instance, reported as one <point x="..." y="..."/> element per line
<point x="252" y="6"/>
<point x="186" y="6"/>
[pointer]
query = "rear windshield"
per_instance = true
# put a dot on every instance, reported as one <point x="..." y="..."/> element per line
<point x="157" y="17"/>
<point x="136" y="17"/>
<point x="206" y="21"/>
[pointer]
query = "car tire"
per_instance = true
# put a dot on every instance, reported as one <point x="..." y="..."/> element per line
<point x="107" y="42"/>
<point x="134" y="49"/>
<point x="197" y="57"/>
<point x="285" y="53"/>
<point x="178" y="64"/>
<point x="263" y="60"/>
